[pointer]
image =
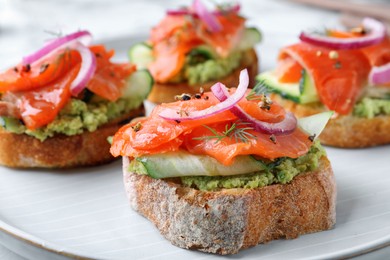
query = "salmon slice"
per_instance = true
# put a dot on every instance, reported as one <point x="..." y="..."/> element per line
<point x="293" y="145"/>
<point x="109" y="78"/>
<point x="225" y="40"/>
<point x="39" y="107"/>
<point x="175" y="36"/>
<point x="288" y="70"/>
<point x="40" y="73"/>
<point x="338" y="76"/>
<point x="378" y="54"/>
<point x="157" y="135"/>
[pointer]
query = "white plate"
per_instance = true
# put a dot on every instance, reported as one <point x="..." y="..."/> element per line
<point x="84" y="212"/>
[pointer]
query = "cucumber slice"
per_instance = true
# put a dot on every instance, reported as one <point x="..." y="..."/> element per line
<point x="307" y="89"/>
<point x="182" y="163"/>
<point x="200" y="54"/>
<point x="315" y="124"/>
<point x="138" y="85"/>
<point x="141" y="54"/>
<point x="251" y="36"/>
<point x="11" y="124"/>
<point x="302" y="92"/>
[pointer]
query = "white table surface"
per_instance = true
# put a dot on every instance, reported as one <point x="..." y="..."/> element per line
<point x="24" y="25"/>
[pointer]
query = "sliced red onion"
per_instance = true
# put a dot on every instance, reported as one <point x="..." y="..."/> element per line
<point x="284" y="127"/>
<point x="376" y="32"/>
<point x="380" y="74"/>
<point x="174" y="114"/>
<point x="186" y="11"/>
<point x="87" y="69"/>
<point x="83" y="36"/>
<point x="207" y="17"/>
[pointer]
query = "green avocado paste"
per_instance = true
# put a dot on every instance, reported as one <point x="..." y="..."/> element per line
<point x="76" y="117"/>
<point x="280" y="171"/>
<point x="211" y="68"/>
<point x="371" y="107"/>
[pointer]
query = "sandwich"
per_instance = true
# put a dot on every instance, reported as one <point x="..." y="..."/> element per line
<point x="193" y="47"/>
<point x="344" y="71"/>
<point x="227" y="171"/>
<point x="59" y="105"/>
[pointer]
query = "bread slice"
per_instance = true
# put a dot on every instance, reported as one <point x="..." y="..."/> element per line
<point x="344" y="131"/>
<point x="61" y="151"/>
<point x="229" y="220"/>
<point x="163" y="93"/>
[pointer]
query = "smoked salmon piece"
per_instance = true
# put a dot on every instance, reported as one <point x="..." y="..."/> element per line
<point x="42" y="89"/>
<point x="338" y="76"/>
<point x="175" y="36"/>
<point x="156" y="135"/>
<point x="378" y="54"/>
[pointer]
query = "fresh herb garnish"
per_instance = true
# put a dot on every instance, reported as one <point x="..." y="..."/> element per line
<point x="237" y="131"/>
<point x="258" y="91"/>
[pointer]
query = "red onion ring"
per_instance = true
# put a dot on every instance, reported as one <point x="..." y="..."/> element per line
<point x="228" y="103"/>
<point x="186" y="11"/>
<point x="376" y="33"/>
<point x="379" y="74"/>
<point x="87" y="69"/>
<point x="208" y="18"/>
<point x="56" y="44"/>
<point x="284" y="127"/>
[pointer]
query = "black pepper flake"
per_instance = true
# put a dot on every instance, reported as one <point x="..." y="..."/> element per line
<point x="182" y="112"/>
<point x="206" y="98"/>
<point x="337" y="65"/>
<point x="183" y="97"/>
<point x="177" y="121"/>
<point x="43" y="68"/>
<point x="312" y="137"/>
<point x="137" y="127"/>
<point x="198" y="96"/>
<point x="265" y="102"/>
<point x="16" y="69"/>
<point x="98" y="55"/>
<point x="186" y="97"/>
<point x="273" y="138"/>
<point x="27" y="68"/>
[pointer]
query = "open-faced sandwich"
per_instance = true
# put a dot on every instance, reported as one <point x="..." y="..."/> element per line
<point x="227" y="170"/>
<point x="193" y="47"/>
<point x="59" y="105"/>
<point x="344" y="71"/>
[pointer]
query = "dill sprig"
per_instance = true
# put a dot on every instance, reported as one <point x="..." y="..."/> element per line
<point x="258" y="92"/>
<point x="237" y="131"/>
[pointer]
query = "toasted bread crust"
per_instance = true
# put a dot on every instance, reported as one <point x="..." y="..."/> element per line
<point x="163" y="93"/>
<point x="344" y="131"/>
<point x="60" y="151"/>
<point x="229" y="220"/>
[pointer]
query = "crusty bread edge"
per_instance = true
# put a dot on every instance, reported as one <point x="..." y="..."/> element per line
<point x="344" y="131"/>
<point x="61" y="151"/>
<point x="229" y="220"/>
<point x="164" y="93"/>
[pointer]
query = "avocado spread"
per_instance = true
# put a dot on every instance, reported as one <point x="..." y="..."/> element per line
<point x="76" y="117"/>
<point x="282" y="171"/>
<point x="371" y="107"/>
<point x="212" y="68"/>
